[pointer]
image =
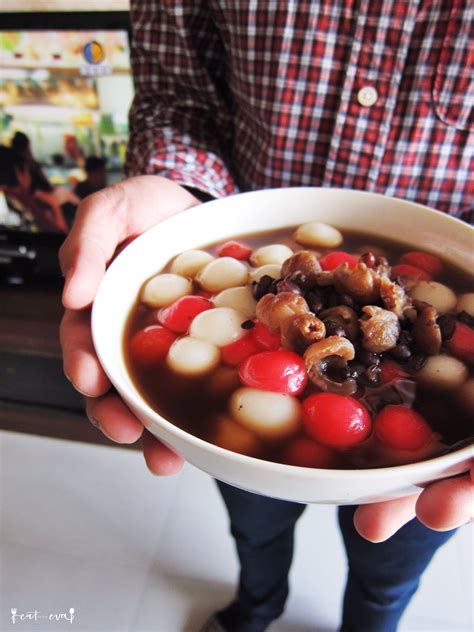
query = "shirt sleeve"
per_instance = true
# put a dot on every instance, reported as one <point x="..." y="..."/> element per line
<point x="180" y="123"/>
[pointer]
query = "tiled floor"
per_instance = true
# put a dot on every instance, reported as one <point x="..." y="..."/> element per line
<point x="88" y="528"/>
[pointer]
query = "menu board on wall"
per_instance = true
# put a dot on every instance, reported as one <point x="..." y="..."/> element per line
<point x="18" y="6"/>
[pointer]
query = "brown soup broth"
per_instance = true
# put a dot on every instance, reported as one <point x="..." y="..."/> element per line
<point x="188" y="404"/>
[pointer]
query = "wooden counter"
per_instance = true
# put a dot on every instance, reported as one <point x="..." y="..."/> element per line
<point x="35" y="396"/>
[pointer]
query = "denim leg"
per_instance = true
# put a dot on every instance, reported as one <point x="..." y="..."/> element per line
<point x="263" y="531"/>
<point x="383" y="577"/>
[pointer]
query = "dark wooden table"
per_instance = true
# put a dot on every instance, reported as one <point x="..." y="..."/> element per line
<point x="35" y="396"/>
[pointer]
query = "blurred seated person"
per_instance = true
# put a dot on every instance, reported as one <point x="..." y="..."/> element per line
<point x="57" y="171"/>
<point x="62" y="199"/>
<point x="22" y="145"/>
<point x="96" y="177"/>
<point x="39" y="207"/>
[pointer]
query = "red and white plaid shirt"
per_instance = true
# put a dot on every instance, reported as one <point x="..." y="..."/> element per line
<point x="369" y="94"/>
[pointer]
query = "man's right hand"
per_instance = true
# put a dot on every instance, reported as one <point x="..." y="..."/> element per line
<point x="104" y="222"/>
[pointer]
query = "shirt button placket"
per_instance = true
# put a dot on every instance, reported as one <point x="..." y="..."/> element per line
<point x="347" y="87"/>
<point x="353" y="116"/>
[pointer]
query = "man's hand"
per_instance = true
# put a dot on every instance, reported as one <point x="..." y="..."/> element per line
<point x="105" y="221"/>
<point x="442" y="506"/>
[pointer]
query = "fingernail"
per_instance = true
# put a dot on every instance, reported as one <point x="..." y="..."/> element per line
<point x="76" y="388"/>
<point x="94" y="422"/>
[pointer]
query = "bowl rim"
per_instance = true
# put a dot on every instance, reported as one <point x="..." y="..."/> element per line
<point x="414" y="469"/>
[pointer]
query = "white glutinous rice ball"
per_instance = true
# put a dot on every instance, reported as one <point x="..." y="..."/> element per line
<point x="270" y="269"/>
<point x="319" y="235"/>
<point x="192" y="357"/>
<point x="441" y="297"/>
<point x="442" y="372"/>
<point x="164" y="289"/>
<point x="230" y="435"/>
<point x="273" y="253"/>
<point x="222" y="273"/>
<point x="465" y="303"/>
<point x="239" y="298"/>
<point x="190" y="262"/>
<point x="270" y="415"/>
<point x="218" y="326"/>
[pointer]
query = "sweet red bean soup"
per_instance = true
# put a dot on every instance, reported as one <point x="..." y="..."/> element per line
<point x="309" y="346"/>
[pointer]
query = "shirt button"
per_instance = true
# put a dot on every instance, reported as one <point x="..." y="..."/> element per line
<point x="367" y="96"/>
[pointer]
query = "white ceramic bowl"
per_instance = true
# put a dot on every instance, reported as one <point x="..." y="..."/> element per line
<point x="415" y="225"/>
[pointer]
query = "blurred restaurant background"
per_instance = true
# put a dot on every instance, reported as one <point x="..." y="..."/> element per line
<point x="65" y="92"/>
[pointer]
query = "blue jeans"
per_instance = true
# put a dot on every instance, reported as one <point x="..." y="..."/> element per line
<point x="382" y="577"/>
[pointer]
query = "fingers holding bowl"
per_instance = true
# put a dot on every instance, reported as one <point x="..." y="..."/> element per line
<point x="107" y="411"/>
<point x="107" y="219"/>
<point x="442" y="506"/>
<point x="80" y="362"/>
<point x="447" y="504"/>
<point x="111" y="415"/>
<point x="159" y="459"/>
<point x="379" y="521"/>
<point x="90" y="245"/>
